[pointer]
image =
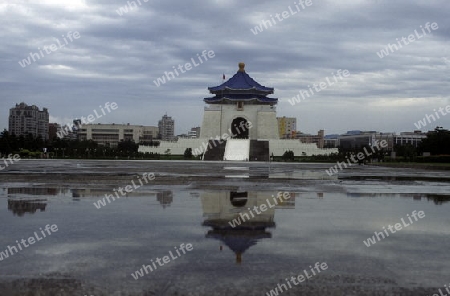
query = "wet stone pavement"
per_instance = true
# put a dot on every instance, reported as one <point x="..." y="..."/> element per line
<point x="221" y="228"/>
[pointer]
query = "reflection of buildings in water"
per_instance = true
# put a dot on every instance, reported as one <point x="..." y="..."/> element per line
<point x="165" y="198"/>
<point x="76" y="193"/>
<point x="417" y="197"/>
<point x="287" y="203"/>
<point x="438" y="199"/>
<point x="90" y="192"/>
<point x="221" y="207"/>
<point x="33" y="190"/>
<point x="194" y="194"/>
<point x="20" y="207"/>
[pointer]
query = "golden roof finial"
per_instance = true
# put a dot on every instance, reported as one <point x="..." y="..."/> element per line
<point x="238" y="258"/>
<point x="241" y="67"/>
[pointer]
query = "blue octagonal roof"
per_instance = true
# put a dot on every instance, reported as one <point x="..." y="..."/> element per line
<point x="240" y="97"/>
<point x="241" y="81"/>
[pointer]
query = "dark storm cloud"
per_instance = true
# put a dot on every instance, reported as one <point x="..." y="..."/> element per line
<point x="117" y="58"/>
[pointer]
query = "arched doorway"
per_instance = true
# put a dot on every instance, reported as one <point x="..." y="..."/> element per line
<point x="238" y="199"/>
<point x="239" y="128"/>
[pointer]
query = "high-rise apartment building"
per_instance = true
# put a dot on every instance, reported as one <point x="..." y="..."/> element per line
<point x="166" y="128"/>
<point x="24" y="120"/>
<point x="287" y="126"/>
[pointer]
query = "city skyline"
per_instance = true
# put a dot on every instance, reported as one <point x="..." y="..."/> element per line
<point x="89" y="54"/>
<point x="428" y="120"/>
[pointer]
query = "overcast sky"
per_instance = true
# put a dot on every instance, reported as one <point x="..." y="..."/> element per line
<point x="116" y="58"/>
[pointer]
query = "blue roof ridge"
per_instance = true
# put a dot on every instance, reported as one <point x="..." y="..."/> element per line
<point x="241" y="81"/>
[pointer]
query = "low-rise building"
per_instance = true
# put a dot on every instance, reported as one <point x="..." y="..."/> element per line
<point x="331" y="141"/>
<point x="112" y="134"/>
<point x="359" y="139"/>
<point x="411" y="138"/>
<point x="308" y="138"/>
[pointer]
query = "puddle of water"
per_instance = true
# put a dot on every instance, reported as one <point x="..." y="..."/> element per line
<point x="237" y="168"/>
<point x="102" y="247"/>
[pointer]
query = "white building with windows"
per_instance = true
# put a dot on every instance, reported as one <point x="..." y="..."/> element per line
<point x="112" y="134"/>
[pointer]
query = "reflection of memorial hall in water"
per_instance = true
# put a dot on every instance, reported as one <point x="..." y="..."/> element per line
<point x="221" y="207"/>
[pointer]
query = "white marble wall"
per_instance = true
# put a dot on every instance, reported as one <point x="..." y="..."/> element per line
<point x="217" y="120"/>
<point x="176" y="148"/>
<point x="278" y="147"/>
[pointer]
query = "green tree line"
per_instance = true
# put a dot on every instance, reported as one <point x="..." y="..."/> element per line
<point x="29" y="146"/>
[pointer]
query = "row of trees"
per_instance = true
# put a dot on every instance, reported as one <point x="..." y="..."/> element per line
<point x="437" y="143"/>
<point x="28" y="146"/>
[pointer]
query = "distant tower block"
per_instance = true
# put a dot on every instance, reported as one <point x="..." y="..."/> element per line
<point x="236" y="102"/>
